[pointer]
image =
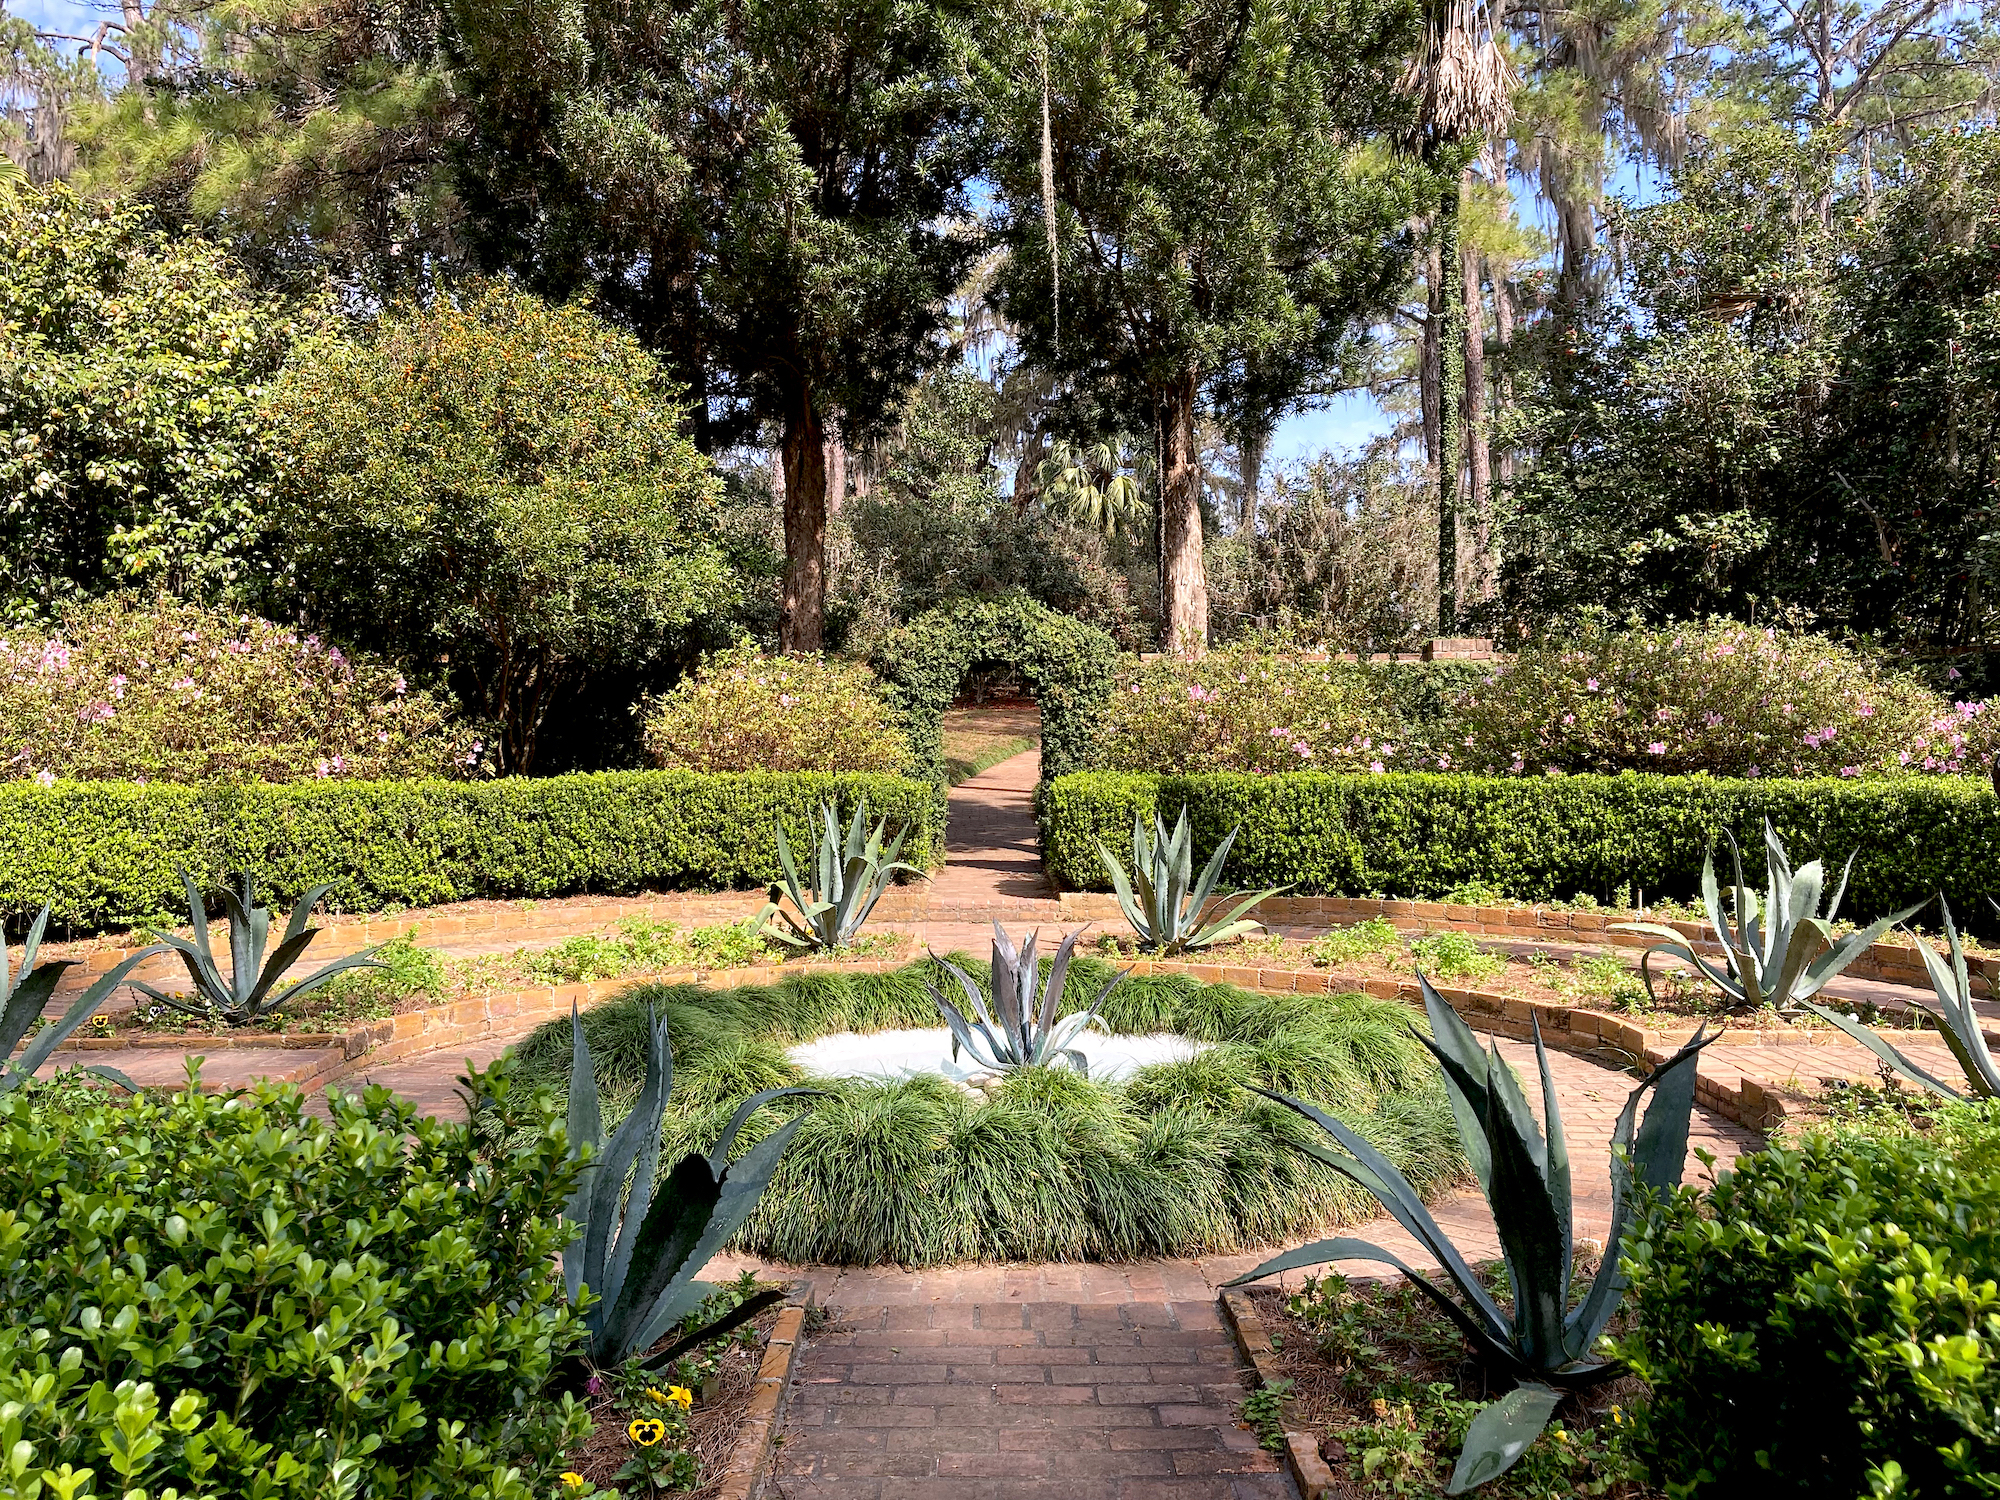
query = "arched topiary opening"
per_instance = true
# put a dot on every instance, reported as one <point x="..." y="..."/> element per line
<point x="1069" y="665"/>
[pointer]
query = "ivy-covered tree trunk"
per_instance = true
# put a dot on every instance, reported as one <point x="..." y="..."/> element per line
<point x="1448" y="301"/>
<point x="1184" y="616"/>
<point x="802" y="613"/>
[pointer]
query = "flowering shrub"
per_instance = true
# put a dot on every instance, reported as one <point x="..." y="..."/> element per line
<point x="1727" y="699"/>
<point x="172" y="692"/>
<point x="1247" y="709"/>
<point x="744" y="711"/>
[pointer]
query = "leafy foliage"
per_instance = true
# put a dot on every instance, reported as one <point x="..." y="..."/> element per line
<point x="420" y="1326"/>
<point x="248" y="993"/>
<point x="165" y="691"/>
<point x="1176" y="1160"/>
<point x="1023" y="1029"/>
<point x="1538" y="838"/>
<point x="132" y="446"/>
<point x="743" y="710"/>
<point x="1546" y="1343"/>
<point x="1788" y="401"/>
<point x="1724" y="699"/>
<point x="1781" y="954"/>
<point x="1069" y="665"/>
<point x="637" y="1252"/>
<point x="1824" y="1316"/>
<point x="104" y="853"/>
<point x="25" y="994"/>
<point x="499" y="487"/>
<point x="849" y="877"/>
<point x="1169" y="909"/>
<point x="1249" y="708"/>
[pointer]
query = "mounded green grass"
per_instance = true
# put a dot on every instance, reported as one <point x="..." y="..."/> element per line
<point x="1177" y="1159"/>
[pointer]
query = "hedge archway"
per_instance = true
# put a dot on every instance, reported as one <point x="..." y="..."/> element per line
<point x="1070" y="665"/>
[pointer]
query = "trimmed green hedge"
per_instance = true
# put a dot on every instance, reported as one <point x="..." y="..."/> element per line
<point x="109" y="853"/>
<point x="1070" y="665"/>
<point x="1543" y="838"/>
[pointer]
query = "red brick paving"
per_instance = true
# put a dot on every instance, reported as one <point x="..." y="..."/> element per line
<point x="1024" y="1401"/>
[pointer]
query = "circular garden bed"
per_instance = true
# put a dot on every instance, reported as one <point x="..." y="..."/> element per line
<point x="1176" y="1159"/>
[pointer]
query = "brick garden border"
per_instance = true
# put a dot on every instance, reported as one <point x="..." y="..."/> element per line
<point x="749" y="1466"/>
<point x="1310" y="1472"/>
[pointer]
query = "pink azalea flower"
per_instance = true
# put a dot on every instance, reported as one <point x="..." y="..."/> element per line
<point x="1658" y="747"/>
<point x="1375" y="766"/>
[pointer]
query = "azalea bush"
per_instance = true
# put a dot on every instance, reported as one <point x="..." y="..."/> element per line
<point x="123" y="690"/>
<point x="1728" y="699"/>
<point x="742" y="710"/>
<point x="1249" y="709"/>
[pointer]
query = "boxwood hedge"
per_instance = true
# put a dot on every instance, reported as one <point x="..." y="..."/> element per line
<point x="1541" y="838"/>
<point x="109" y="853"/>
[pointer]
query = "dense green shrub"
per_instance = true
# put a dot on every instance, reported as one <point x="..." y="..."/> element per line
<point x="1245" y="708"/>
<point x="1069" y="665"/>
<point x="1540" y="838"/>
<point x="1727" y="699"/>
<point x="162" y="691"/>
<point x="1824" y="1320"/>
<point x="742" y="710"/>
<point x="502" y="485"/>
<point x="1178" y="1159"/>
<point x="107" y="853"/>
<point x="295" y="1307"/>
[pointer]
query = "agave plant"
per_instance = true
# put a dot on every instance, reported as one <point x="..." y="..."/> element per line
<point x="639" y="1250"/>
<point x="849" y="878"/>
<point x="1780" y="954"/>
<point x="249" y="992"/>
<point x="1162" y="899"/>
<point x="1544" y="1344"/>
<point x="24" y="995"/>
<point x="1022" y="1030"/>
<point x="1955" y="1018"/>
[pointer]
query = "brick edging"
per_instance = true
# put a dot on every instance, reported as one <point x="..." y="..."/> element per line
<point x="1890" y="963"/>
<point x="749" y="1465"/>
<point x="1310" y="1472"/>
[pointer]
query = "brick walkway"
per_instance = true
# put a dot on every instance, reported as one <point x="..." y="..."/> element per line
<point x="1024" y="1401"/>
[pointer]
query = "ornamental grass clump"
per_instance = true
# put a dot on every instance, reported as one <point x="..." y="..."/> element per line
<point x="742" y="710"/>
<point x="1253" y="710"/>
<point x="130" y="690"/>
<point x="1726" y="699"/>
<point x="1548" y="1340"/>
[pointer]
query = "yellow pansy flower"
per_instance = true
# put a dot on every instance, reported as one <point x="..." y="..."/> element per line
<point x="646" y="1431"/>
<point x="681" y="1396"/>
<point x="573" y="1481"/>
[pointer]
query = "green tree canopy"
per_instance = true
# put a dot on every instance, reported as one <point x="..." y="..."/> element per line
<point x="1220" y="201"/>
<point x="132" y="364"/>
<point x="502" y="488"/>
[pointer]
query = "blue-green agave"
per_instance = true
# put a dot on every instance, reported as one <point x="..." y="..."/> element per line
<point x="849" y="877"/>
<point x="1162" y="899"/>
<point x="1544" y="1344"/>
<point x="25" y="994"/>
<point x="640" y="1249"/>
<point x="1022" y="1030"/>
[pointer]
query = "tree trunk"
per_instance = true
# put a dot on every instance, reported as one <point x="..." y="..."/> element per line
<point x="1503" y="385"/>
<point x="802" y="614"/>
<point x="1250" y="472"/>
<point x="1447" y="298"/>
<point x="836" y="471"/>
<point x="1184" y="583"/>
<point x="1427" y="362"/>
<point x="1479" y="458"/>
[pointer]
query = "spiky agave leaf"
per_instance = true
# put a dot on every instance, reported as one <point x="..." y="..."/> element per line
<point x="1163" y="900"/>
<point x="1022" y="1028"/>
<point x="851" y="873"/>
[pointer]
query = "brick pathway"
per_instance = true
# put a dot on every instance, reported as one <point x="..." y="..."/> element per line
<point x="1024" y="1401"/>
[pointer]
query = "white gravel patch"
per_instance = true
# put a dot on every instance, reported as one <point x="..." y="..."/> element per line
<point x="900" y="1054"/>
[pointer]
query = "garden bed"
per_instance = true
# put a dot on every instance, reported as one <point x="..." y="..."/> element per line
<point x="1379" y="1383"/>
<point x="1177" y="1160"/>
